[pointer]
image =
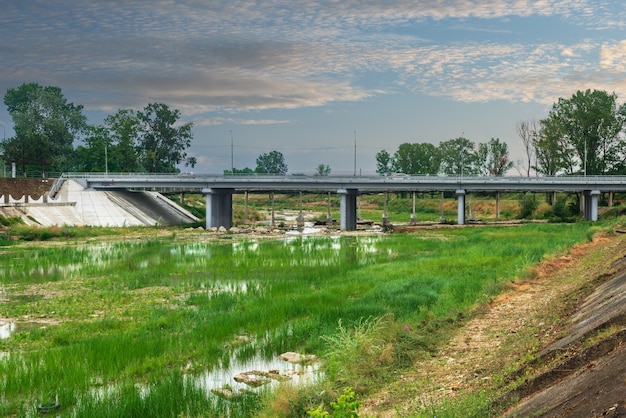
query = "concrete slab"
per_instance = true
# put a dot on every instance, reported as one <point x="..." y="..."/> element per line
<point x="77" y="206"/>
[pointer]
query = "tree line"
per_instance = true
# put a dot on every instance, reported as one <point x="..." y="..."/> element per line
<point x="581" y="135"/>
<point x="458" y="156"/>
<point x="47" y="126"/>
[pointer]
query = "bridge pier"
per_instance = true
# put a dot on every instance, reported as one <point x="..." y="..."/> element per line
<point x="460" y="195"/>
<point x="347" y="209"/>
<point x="219" y="207"/>
<point x="591" y="204"/>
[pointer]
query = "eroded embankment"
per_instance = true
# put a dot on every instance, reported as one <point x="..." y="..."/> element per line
<point x="551" y="345"/>
<point x="588" y="375"/>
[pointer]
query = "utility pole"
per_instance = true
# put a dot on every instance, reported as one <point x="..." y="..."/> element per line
<point x="232" y="165"/>
<point x="354" y="153"/>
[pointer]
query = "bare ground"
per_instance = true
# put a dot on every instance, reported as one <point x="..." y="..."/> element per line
<point x="551" y="345"/>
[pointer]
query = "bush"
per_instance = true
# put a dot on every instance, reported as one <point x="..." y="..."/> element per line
<point x="528" y="205"/>
<point x="13" y="220"/>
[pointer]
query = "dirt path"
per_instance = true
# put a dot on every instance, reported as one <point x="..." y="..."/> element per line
<point x="499" y="338"/>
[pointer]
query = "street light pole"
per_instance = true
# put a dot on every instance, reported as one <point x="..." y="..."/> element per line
<point x="4" y="164"/>
<point x="232" y="165"/>
<point x="354" y="153"/>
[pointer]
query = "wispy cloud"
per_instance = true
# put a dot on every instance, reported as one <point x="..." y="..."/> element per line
<point x="221" y="121"/>
<point x="241" y="55"/>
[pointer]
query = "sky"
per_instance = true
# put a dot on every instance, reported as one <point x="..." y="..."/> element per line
<point x="328" y="82"/>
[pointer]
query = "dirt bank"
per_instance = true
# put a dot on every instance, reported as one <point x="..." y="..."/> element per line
<point x="17" y="187"/>
<point x="551" y="345"/>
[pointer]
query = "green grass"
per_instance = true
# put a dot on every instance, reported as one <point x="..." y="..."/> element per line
<point x="127" y="313"/>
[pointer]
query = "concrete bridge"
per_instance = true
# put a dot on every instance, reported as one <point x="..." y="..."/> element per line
<point x="219" y="189"/>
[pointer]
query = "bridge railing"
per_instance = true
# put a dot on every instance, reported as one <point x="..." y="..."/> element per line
<point x="396" y="177"/>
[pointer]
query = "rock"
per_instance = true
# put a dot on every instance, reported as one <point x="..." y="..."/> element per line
<point x="297" y="358"/>
<point x="256" y="378"/>
<point x="222" y="230"/>
<point x="225" y="393"/>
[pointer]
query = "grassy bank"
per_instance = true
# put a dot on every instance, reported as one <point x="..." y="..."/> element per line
<point x="120" y="326"/>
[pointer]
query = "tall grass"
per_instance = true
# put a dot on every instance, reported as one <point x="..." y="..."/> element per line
<point x="129" y="313"/>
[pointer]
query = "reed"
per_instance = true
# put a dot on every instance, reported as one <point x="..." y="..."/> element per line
<point x="116" y="315"/>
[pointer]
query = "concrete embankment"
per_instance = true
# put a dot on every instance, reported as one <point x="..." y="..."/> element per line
<point x="75" y="205"/>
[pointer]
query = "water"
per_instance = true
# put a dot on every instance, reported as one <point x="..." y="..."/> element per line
<point x="6" y="330"/>
<point x="224" y="377"/>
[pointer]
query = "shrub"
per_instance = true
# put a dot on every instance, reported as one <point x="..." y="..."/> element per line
<point x="528" y="205"/>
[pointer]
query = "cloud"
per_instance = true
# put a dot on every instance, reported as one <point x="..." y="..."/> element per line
<point x="613" y="57"/>
<point x="220" y="121"/>
<point x="242" y="55"/>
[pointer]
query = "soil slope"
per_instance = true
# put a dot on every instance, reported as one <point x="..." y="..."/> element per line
<point x="552" y="345"/>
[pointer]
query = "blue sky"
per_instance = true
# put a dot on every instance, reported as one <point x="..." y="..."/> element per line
<point x="310" y="79"/>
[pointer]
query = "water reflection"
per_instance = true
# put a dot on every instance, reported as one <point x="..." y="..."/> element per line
<point x="6" y="330"/>
<point x="225" y="376"/>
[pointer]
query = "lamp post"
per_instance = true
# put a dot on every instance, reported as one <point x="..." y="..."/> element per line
<point x="354" y="153"/>
<point x="232" y="165"/>
<point x="4" y="164"/>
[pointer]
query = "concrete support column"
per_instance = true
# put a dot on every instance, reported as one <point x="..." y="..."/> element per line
<point x="460" y="195"/>
<point x="413" y="215"/>
<point x="385" y="217"/>
<point x="582" y="202"/>
<point x="347" y="208"/>
<point x="219" y="207"/>
<point x="497" y="206"/>
<point x="591" y="204"/>
<point x="246" y="215"/>
<point x="442" y="219"/>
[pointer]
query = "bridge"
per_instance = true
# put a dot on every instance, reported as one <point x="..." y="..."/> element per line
<point x="218" y="189"/>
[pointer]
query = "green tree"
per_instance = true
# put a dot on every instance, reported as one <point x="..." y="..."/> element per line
<point x="271" y="163"/>
<point x="236" y="170"/>
<point x="322" y="170"/>
<point x="93" y="156"/>
<point x="551" y="150"/>
<point x="46" y="126"/>
<point x="458" y="157"/>
<point x="162" y="142"/>
<point x="124" y="128"/>
<point x="591" y="123"/>
<point x="384" y="163"/>
<point x="417" y="158"/>
<point x="492" y="158"/>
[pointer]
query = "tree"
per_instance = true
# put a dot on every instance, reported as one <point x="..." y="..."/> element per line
<point x="93" y="157"/>
<point x="322" y="170"/>
<point x="124" y="127"/>
<point x="46" y="126"/>
<point x="236" y="170"/>
<point x="162" y="143"/>
<point x="271" y="163"/>
<point x="528" y="131"/>
<point x="552" y="154"/>
<point x="458" y="157"/>
<point x="384" y="163"/>
<point x="417" y="159"/>
<point x="591" y="124"/>
<point x="492" y="158"/>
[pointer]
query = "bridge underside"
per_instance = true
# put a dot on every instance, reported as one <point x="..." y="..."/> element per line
<point x="219" y="207"/>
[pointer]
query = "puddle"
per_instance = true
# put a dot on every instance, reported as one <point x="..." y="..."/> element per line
<point x="225" y="377"/>
<point x="233" y="287"/>
<point x="6" y="330"/>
